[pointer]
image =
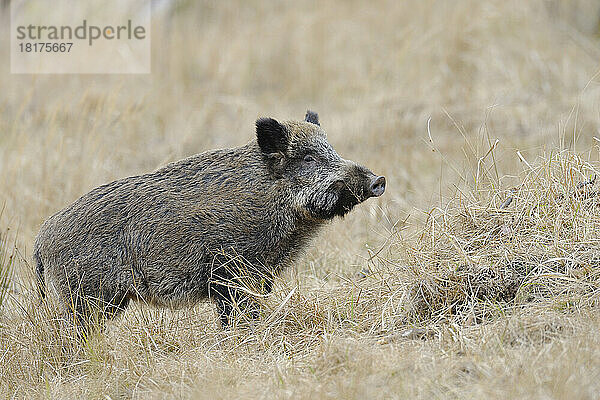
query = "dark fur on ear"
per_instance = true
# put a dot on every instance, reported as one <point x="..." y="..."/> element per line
<point x="312" y="117"/>
<point x="271" y="135"/>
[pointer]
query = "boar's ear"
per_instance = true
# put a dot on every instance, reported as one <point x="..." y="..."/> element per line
<point x="271" y="135"/>
<point x="312" y="117"/>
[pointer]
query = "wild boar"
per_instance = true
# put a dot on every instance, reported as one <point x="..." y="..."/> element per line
<point x="184" y="232"/>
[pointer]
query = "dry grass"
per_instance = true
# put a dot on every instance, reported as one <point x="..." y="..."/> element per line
<point x="442" y="288"/>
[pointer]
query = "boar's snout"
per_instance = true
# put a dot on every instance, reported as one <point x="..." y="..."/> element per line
<point x="377" y="186"/>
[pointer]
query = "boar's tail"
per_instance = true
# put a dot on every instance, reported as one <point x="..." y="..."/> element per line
<point x="39" y="271"/>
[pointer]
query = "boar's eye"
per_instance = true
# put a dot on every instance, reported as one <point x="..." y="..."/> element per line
<point x="309" y="159"/>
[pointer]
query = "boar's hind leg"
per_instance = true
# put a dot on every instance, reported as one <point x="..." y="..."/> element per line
<point x="88" y="311"/>
<point x="115" y="305"/>
<point x="89" y="303"/>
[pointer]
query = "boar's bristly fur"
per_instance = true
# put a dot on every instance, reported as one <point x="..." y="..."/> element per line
<point x="184" y="232"/>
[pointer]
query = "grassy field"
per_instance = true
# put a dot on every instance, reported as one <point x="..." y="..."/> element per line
<point x="477" y="274"/>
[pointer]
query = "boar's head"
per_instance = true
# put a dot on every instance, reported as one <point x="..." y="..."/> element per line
<point x="322" y="184"/>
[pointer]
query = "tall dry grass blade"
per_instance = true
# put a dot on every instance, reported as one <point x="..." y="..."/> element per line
<point x="7" y="253"/>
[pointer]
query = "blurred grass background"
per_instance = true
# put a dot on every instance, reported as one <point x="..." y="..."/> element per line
<point x="417" y="91"/>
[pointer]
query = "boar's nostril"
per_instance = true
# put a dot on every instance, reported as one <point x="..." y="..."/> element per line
<point x="378" y="186"/>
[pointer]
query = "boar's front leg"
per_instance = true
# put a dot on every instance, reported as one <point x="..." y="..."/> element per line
<point x="230" y="286"/>
<point x="229" y="300"/>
